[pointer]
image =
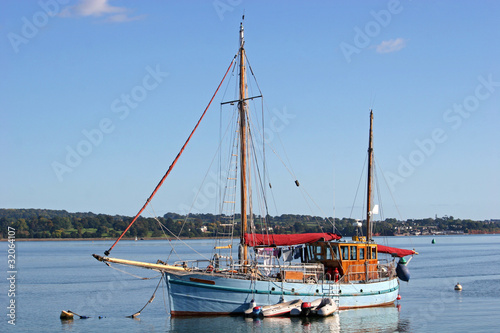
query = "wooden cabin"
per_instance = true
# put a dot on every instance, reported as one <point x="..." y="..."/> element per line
<point x="355" y="260"/>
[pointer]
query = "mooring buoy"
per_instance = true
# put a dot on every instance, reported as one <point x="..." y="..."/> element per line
<point x="66" y="315"/>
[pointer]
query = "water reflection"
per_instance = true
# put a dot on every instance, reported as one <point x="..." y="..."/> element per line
<point x="379" y="319"/>
<point x="319" y="324"/>
<point x="67" y="325"/>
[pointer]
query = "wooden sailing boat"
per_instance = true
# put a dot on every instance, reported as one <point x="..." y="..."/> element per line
<point x="349" y="271"/>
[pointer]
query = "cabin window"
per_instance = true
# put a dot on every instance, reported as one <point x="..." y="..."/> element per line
<point x="345" y="252"/>
<point x="318" y="252"/>
<point x="332" y="252"/>
<point x="314" y="253"/>
<point x="374" y="252"/>
<point x="310" y="254"/>
<point x="361" y="253"/>
<point x="328" y="254"/>
<point x="354" y="252"/>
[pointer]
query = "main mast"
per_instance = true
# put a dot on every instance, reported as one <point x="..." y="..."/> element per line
<point x="243" y="147"/>
<point x="369" y="190"/>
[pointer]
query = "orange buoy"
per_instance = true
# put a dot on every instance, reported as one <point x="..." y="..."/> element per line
<point x="66" y="315"/>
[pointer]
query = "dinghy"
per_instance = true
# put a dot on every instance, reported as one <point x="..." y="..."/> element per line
<point x="326" y="308"/>
<point x="305" y="308"/>
<point x="280" y="309"/>
<point x="321" y="307"/>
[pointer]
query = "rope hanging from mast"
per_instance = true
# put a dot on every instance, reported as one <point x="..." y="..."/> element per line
<point x="174" y="162"/>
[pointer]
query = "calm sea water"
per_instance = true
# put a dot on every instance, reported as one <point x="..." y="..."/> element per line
<point x="55" y="276"/>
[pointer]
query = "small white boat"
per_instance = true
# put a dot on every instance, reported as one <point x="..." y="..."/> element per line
<point x="327" y="307"/>
<point x="279" y="309"/>
<point x="322" y="307"/>
<point x="306" y="308"/>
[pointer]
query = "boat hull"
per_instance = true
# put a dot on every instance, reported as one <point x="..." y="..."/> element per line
<point x="206" y="294"/>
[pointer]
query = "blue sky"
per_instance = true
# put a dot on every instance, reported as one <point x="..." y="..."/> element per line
<point x="429" y="70"/>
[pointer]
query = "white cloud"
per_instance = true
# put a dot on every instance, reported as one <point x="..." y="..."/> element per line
<point x="99" y="8"/>
<point x="124" y="18"/>
<point x="392" y="45"/>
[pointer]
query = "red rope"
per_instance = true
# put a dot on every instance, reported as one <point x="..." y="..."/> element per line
<point x="173" y="163"/>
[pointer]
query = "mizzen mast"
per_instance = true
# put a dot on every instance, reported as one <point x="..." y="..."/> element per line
<point x="243" y="146"/>
<point x="369" y="211"/>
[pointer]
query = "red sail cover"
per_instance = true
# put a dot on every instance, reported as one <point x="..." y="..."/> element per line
<point x="399" y="252"/>
<point x="284" y="240"/>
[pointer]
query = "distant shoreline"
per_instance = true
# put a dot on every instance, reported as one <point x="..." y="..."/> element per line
<point x="185" y="238"/>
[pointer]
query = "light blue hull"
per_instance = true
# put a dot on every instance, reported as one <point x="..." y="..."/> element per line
<point x="200" y="293"/>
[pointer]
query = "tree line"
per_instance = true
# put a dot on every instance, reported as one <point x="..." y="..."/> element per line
<point x="43" y="223"/>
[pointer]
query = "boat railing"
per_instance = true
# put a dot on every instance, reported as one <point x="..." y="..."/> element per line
<point x="194" y="265"/>
<point x="303" y="272"/>
<point x="381" y="271"/>
<point x="293" y="272"/>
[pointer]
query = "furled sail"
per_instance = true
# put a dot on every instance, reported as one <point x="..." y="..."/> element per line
<point x="395" y="251"/>
<point x="288" y="240"/>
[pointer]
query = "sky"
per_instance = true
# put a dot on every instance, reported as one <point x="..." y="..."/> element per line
<point x="98" y="96"/>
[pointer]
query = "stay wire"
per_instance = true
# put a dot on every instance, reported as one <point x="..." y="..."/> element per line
<point x="150" y="300"/>
<point x="173" y="163"/>
<point x="359" y="184"/>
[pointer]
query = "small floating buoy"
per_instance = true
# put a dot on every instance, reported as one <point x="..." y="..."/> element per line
<point x="458" y="286"/>
<point x="399" y="297"/>
<point x="433" y="241"/>
<point x="66" y="315"/>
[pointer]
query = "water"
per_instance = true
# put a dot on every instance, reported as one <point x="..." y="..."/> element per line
<point x="55" y="276"/>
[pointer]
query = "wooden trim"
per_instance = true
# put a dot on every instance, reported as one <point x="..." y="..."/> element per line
<point x="202" y="281"/>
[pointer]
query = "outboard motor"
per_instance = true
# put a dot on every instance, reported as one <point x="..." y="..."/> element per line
<point x="306" y="308"/>
<point x="402" y="270"/>
<point x="257" y="311"/>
